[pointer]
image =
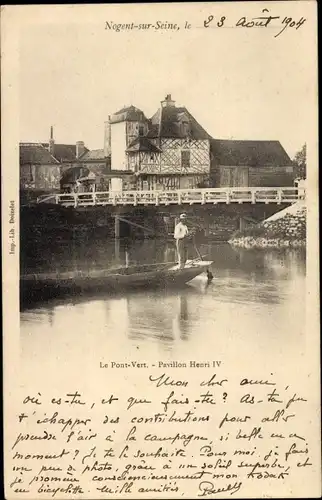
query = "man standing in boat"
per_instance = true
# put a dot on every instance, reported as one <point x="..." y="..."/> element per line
<point x="181" y="236"/>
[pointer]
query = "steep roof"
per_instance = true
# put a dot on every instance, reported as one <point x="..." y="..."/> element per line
<point x="127" y="109"/>
<point x="94" y="154"/>
<point x="249" y="153"/>
<point x="128" y="113"/>
<point x="142" y="144"/>
<point x="166" y="123"/>
<point x="64" y="152"/>
<point x="36" y="154"/>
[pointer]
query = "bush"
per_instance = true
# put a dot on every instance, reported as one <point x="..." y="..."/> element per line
<point x="257" y="231"/>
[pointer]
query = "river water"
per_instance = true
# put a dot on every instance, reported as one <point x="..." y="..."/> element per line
<point x="254" y="305"/>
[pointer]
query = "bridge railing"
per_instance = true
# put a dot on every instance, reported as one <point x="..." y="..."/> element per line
<point x="179" y="197"/>
<point x="46" y="198"/>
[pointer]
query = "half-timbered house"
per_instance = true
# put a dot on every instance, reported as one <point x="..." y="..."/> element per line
<point x="169" y="151"/>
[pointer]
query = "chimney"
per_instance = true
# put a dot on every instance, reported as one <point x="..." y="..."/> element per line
<point x="51" y="145"/>
<point x="168" y="102"/>
<point x="80" y="148"/>
<point x="107" y="138"/>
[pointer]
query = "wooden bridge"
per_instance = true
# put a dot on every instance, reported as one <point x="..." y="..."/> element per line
<point x="211" y="196"/>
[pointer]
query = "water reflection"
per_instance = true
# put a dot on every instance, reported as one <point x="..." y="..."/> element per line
<point x="162" y="317"/>
<point x="256" y="301"/>
<point x="84" y="254"/>
<point x="181" y="322"/>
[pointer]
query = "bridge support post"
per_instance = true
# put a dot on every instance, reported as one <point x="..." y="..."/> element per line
<point x="242" y="224"/>
<point x="207" y="225"/>
<point x="116" y="227"/>
<point x="117" y="250"/>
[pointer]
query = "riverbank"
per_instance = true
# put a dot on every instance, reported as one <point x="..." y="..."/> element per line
<point x="284" y="229"/>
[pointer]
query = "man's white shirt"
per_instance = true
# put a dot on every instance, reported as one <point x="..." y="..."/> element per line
<point x="180" y="231"/>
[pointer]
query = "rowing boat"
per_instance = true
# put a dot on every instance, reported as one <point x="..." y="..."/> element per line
<point x="43" y="286"/>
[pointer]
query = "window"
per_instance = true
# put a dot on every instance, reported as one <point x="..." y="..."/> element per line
<point x="31" y="177"/>
<point x="185" y="158"/>
<point x="141" y="130"/>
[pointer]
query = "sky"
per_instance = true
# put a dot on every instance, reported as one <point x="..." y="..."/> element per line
<point x="242" y="84"/>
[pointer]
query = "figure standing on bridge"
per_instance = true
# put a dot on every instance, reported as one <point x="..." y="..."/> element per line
<point x="181" y="236"/>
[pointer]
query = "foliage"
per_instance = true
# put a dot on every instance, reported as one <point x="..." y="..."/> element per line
<point x="300" y="163"/>
<point x="257" y="231"/>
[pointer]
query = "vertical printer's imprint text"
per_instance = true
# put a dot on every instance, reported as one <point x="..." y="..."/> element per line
<point x="12" y="232"/>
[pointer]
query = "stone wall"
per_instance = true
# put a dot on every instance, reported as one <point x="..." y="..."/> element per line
<point x="284" y="229"/>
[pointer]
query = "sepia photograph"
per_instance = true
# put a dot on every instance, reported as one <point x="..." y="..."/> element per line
<point x="166" y="169"/>
<point x="166" y="200"/>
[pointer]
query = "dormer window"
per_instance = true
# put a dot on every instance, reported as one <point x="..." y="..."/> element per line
<point x="185" y="128"/>
<point x="184" y="124"/>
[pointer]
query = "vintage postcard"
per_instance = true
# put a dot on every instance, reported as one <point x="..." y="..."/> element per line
<point x="160" y="250"/>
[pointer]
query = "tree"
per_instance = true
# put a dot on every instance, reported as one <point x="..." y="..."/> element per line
<point x="300" y="163"/>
